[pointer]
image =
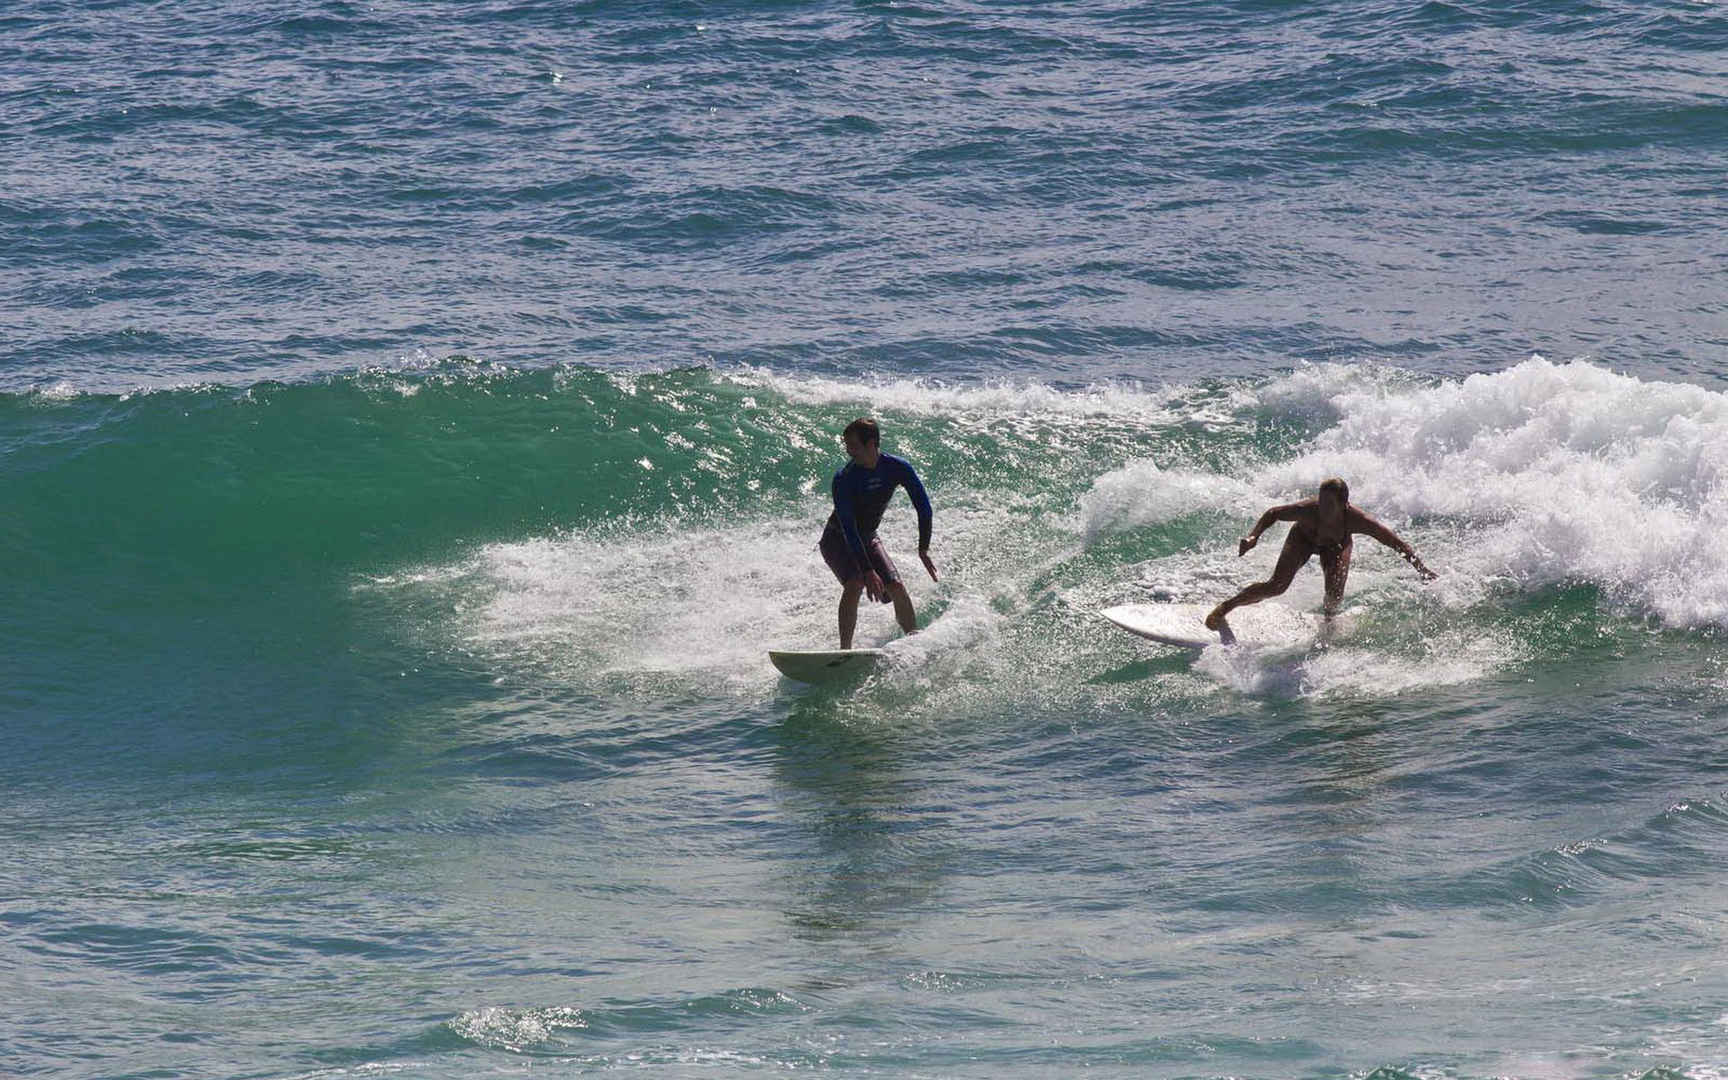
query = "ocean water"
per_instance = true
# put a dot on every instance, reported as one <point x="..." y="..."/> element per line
<point x="415" y="424"/>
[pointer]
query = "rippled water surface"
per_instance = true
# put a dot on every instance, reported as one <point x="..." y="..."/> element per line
<point x="416" y="422"/>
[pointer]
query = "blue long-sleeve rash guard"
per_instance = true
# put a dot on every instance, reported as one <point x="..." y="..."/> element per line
<point x="861" y="495"/>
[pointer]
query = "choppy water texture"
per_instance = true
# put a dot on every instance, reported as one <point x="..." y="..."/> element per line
<point x="415" y="422"/>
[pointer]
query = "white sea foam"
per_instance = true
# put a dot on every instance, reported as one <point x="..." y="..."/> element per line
<point x="1313" y="391"/>
<point x="1359" y="666"/>
<point x="369" y="1069"/>
<point x="1544" y="474"/>
<point x="699" y="602"/>
<point x="516" y="1030"/>
<point x="960" y="641"/>
<point x="700" y="606"/>
<point x="1541" y="475"/>
<point x="1141" y="494"/>
<point x="1536" y="476"/>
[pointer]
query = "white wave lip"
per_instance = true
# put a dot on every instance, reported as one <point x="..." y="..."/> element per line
<point x="1552" y="474"/>
<point x="999" y="399"/>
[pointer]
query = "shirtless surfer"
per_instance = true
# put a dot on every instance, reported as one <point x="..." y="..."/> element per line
<point x="849" y="543"/>
<point x="1319" y="526"/>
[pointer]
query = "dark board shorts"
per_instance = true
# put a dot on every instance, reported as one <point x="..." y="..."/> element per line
<point x="845" y="565"/>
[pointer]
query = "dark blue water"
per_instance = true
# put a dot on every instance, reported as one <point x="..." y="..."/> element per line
<point x="415" y="425"/>
<point x="226" y="193"/>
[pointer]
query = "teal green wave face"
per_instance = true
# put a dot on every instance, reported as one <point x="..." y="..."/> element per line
<point x="644" y="523"/>
<point x="372" y="472"/>
<point x="373" y="469"/>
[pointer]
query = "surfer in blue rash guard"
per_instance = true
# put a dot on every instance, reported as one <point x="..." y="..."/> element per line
<point x="849" y="543"/>
<point x="1319" y="526"/>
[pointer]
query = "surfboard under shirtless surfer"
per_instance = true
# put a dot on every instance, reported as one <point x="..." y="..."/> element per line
<point x="1320" y="526"/>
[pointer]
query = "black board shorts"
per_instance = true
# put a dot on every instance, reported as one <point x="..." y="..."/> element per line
<point x="845" y="565"/>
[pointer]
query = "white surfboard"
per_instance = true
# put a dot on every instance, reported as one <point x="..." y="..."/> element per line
<point x="1184" y="625"/>
<point x="824" y="665"/>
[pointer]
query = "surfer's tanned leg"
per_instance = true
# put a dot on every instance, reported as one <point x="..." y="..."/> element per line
<point x="1335" y="564"/>
<point x="1297" y="551"/>
<point x="903" y="612"/>
<point x="849" y="594"/>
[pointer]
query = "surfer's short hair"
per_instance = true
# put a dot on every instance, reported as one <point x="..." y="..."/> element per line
<point x="1338" y="487"/>
<point x="865" y="430"/>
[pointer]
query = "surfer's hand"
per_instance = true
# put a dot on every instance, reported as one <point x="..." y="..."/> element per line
<point x="874" y="587"/>
<point x="1246" y="545"/>
<point x="929" y="565"/>
<point x="1427" y="574"/>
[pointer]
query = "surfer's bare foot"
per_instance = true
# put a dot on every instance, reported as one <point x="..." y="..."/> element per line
<point x="1214" y="621"/>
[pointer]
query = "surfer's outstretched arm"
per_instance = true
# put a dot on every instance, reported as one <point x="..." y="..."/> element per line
<point x="1367" y="526"/>
<point x="1287" y="512"/>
